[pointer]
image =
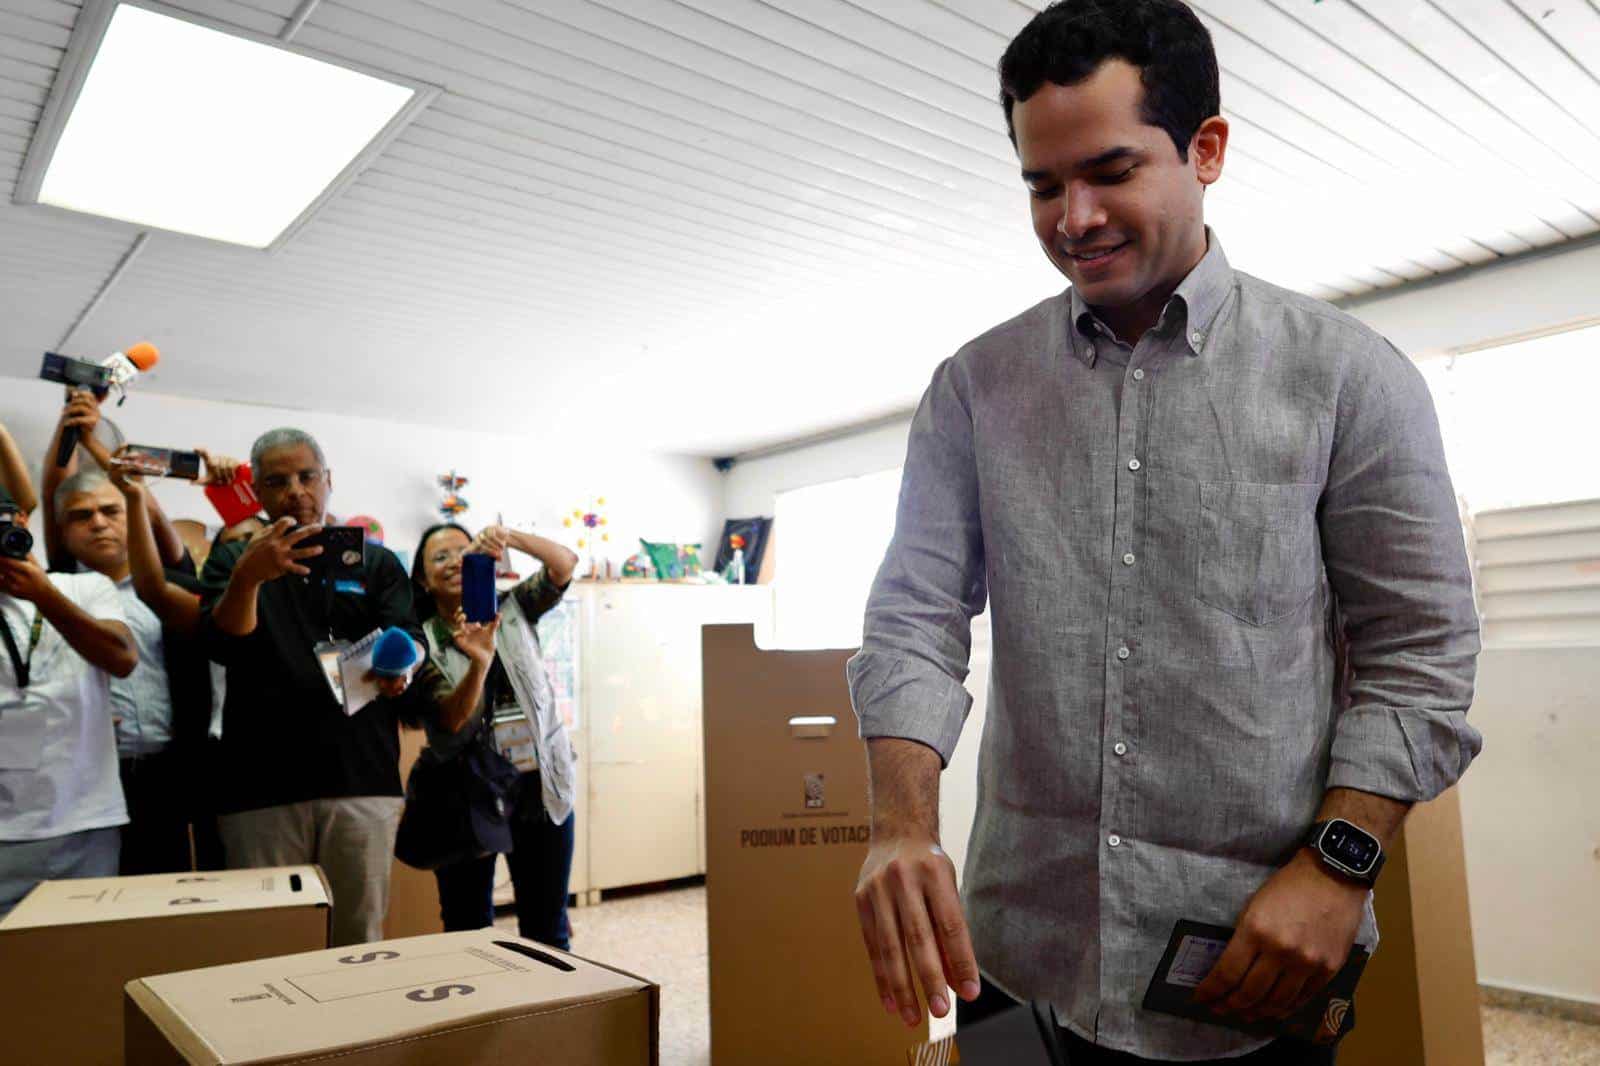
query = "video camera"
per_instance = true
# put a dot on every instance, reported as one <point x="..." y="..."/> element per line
<point x="76" y="373"/>
<point x="116" y="372"/>
<point x="15" y="540"/>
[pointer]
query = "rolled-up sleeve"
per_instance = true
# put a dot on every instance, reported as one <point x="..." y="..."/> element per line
<point x="906" y="681"/>
<point x="1397" y="563"/>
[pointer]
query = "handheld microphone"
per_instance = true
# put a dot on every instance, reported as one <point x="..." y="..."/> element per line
<point x="116" y="371"/>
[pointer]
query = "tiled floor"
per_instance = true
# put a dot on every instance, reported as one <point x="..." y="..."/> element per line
<point x="663" y="936"/>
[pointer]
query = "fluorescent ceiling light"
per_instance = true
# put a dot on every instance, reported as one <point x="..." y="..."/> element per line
<point x="180" y="126"/>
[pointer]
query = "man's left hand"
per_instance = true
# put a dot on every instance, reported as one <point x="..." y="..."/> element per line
<point x="1294" y="936"/>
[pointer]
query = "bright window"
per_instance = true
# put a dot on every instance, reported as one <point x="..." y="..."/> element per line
<point x="1519" y="420"/>
<point x="833" y="539"/>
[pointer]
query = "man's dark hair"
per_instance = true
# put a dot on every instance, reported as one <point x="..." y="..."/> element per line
<point x="1067" y="41"/>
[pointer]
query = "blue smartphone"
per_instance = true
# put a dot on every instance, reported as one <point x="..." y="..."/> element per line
<point x="478" y="599"/>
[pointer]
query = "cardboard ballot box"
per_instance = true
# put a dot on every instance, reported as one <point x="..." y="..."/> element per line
<point x="449" y="999"/>
<point x="786" y="833"/>
<point x="69" y="947"/>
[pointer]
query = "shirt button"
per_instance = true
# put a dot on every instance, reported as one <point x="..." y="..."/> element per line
<point x="1114" y="840"/>
<point x="1120" y="748"/>
<point x="1123" y="653"/>
<point x="1128" y="560"/>
<point x="1198" y="338"/>
<point x="1138" y="375"/>
<point x="1134" y="464"/>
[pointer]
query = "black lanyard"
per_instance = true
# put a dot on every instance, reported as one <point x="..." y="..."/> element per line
<point x="18" y="663"/>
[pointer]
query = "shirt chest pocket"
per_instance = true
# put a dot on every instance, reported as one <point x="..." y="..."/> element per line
<point x="1258" y="557"/>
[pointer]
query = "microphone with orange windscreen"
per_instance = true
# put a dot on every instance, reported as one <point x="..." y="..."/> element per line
<point x="116" y="371"/>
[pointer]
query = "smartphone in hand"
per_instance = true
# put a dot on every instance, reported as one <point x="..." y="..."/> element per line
<point x="478" y="600"/>
<point x="160" y="462"/>
<point x="341" y="556"/>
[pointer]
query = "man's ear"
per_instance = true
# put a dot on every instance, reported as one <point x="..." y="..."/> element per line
<point x="1209" y="148"/>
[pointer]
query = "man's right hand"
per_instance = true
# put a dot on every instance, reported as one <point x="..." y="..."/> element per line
<point x="276" y="551"/>
<point x="81" y="411"/>
<point x="912" y="923"/>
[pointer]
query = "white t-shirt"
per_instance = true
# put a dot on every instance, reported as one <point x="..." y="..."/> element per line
<point x="58" y="750"/>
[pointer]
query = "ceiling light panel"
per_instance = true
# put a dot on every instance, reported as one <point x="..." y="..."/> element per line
<point x="171" y="124"/>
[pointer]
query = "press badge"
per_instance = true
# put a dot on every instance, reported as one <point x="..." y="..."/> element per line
<point x="328" y="655"/>
<point x="514" y="738"/>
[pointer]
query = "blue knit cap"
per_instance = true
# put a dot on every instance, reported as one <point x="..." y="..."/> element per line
<point x="395" y="653"/>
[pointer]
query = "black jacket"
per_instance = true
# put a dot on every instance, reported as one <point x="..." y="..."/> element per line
<point x="285" y="737"/>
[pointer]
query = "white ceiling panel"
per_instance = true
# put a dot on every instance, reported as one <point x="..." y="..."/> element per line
<point x="707" y="225"/>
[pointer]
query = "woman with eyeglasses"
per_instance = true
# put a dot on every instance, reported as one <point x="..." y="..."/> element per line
<point x="516" y="698"/>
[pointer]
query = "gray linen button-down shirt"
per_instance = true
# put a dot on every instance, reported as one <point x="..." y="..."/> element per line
<point x="1168" y="548"/>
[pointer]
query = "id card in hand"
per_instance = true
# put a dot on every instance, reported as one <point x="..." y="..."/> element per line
<point x="1194" y="949"/>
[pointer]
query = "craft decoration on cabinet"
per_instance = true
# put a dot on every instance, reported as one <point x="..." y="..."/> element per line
<point x="590" y="523"/>
<point x="454" y="505"/>
<point x="665" y="559"/>
<point x="754" y="536"/>
<point x="735" y="569"/>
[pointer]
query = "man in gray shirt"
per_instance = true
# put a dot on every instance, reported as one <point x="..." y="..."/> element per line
<point x="1227" y="582"/>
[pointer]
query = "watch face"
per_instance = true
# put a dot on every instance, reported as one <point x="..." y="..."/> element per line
<point x="1349" y="846"/>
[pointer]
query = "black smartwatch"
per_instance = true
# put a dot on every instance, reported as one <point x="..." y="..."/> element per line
<point x="1348" y="848"/>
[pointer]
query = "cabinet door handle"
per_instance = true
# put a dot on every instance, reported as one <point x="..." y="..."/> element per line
<point x="812" y="726"/>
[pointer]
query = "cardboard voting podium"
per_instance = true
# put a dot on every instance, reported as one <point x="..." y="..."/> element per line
<point x="453" y="998"/>
<point x="785" y="839"/>
<point x="1418" y="1001"/>
<point x="69" y="947"/>
<point x="786" y="834"/>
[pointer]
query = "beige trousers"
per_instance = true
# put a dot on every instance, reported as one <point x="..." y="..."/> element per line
<point x="351" y="839"/>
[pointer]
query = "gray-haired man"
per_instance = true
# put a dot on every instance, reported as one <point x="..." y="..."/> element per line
<point x="301" y="780"/>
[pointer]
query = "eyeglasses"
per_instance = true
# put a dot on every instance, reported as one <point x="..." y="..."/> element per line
<point x="446" y="555"/>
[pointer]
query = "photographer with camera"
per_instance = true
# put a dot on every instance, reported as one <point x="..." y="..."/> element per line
<point x="305" y="777"/>
<point x="65" y="637"/>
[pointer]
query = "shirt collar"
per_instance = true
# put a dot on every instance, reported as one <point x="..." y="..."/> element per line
<point x="1193" y="308"/>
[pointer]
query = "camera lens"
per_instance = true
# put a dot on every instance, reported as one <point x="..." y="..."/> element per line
<point x="15" y="541"/>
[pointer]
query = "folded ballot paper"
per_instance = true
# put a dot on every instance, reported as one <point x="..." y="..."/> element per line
<point x="1195" y="948"/>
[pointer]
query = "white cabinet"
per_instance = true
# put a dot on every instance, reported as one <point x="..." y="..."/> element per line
<point x="637" y="716"/>
<point x="641" y="696"/>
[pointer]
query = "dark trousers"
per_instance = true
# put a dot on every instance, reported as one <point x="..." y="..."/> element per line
<point x="1080" y="1052"/>
<point x="541" y="867"/>
<point x="156" y="838"/>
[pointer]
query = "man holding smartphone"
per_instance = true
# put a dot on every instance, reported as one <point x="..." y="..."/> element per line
<point x="305" y="777"/>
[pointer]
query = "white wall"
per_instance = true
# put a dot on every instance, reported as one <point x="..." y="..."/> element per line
<point x="752" y="486"/>
<point x="1530" y="807"/>
<point x="1493" y="302"/>
<point x="387" y="469"/>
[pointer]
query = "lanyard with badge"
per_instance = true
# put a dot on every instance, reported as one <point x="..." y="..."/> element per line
<point x="22" y="665"/>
